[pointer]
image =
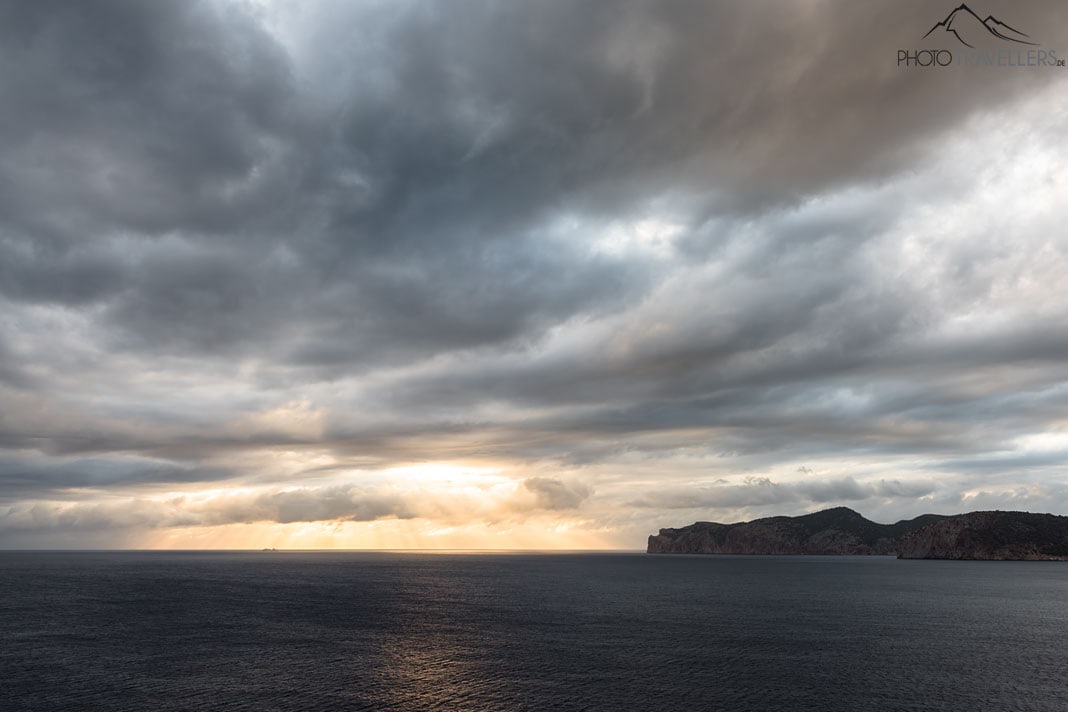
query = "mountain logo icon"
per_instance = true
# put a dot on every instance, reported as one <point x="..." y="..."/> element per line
<point x="969" y="28"/>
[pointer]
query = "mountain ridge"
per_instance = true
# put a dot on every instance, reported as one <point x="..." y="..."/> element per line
<point x="840" y="530"/>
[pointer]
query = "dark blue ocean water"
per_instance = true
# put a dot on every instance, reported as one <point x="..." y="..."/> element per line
<point x="377" y="631"/>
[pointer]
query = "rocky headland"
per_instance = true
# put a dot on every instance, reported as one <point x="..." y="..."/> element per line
<point x="990" y="536"/>
<point x="977" y="535"/>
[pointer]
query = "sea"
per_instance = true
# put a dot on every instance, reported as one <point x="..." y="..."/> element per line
<point x="484" y="631"/>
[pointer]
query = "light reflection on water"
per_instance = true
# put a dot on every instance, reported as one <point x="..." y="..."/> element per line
<point x="463" y="631"/>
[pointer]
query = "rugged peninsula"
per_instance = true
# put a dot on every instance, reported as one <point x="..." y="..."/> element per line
<point x="977" y="535"/>
<point x="990" y="536"/>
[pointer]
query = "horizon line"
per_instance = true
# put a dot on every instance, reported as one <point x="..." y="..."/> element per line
<point x="274" y="550"/>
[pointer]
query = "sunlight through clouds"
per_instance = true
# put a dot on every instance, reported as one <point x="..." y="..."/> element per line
<point x="536" y="275"/>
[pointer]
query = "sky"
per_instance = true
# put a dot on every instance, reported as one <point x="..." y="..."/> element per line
<point x="521" y="274"/>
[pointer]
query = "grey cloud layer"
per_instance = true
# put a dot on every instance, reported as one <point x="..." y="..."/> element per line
<point x="284" y="506"/>
<point x="762" y="491"/>
<point x="431" y="223"/>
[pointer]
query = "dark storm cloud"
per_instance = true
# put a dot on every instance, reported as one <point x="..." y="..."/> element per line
<point x="168" y="169"/>
<point x="37" y="476"/>
<point x="122" y="116"/>
<point x="533" y="232"/>
<point x="405" y="192"/>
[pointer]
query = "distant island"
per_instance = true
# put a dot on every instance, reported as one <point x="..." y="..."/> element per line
<point x="993" y="536"/>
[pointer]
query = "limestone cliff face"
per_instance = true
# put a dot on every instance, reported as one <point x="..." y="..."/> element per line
<point x="832" y="531"/>
<point x="994" y="536"/>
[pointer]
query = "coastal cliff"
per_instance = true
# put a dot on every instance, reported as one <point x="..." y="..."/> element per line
<point x="831" y="531"/>
<point x="990" y="536"/>
<point x="995" y="536"/>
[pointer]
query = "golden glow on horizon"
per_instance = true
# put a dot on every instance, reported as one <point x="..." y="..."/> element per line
<point x="428" y="505"/>
<point x="381" y="534"/>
